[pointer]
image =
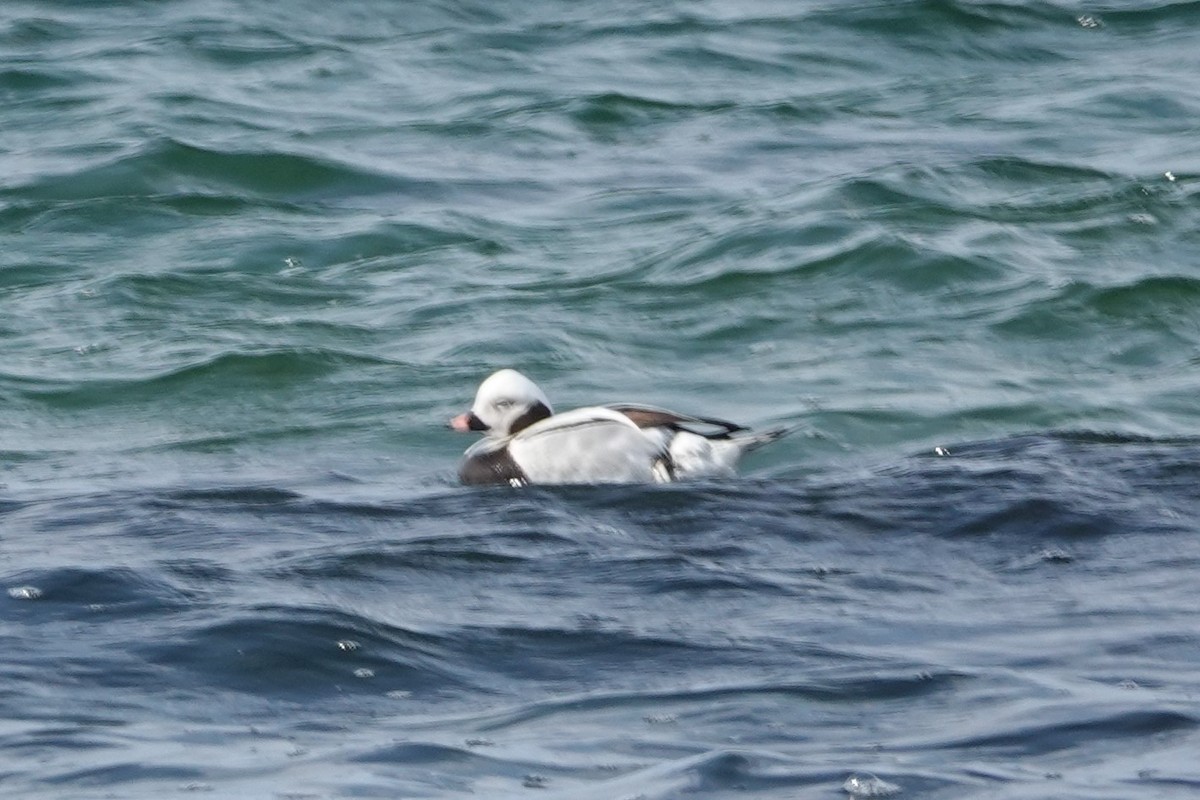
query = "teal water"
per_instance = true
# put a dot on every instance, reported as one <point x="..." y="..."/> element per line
<point x="255" y="254"/>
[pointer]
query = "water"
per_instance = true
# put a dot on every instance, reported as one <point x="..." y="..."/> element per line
<point x="255" y="254"/>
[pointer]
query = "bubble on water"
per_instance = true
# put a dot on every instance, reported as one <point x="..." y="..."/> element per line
<point x="1088" y="21"/>
<point x="363" y="672"/>
<point x="1055" y="555"/>
<point x="1129" y="684"/>
<point x="197" y="787"/>
<point x="1169" y="176"/>
<point x="940" y="451"/>
<point x="24" y="593"/>
<point x="535" y="781"/>
<point x="348" y="645"/>
<point x="869" y="786"/>
<point x="398" y="694"/>
<point x="661" y="719"/>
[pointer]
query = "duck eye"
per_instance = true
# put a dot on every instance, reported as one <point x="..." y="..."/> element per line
<point x="503" y="403"/>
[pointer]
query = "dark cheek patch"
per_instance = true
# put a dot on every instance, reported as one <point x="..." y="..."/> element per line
<point x="536" y="413"/>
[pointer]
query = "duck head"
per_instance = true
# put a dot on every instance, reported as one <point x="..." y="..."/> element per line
<point x="506" y="403"/>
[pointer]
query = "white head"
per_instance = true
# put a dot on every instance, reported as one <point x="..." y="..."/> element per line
<point x="506" y="403"/>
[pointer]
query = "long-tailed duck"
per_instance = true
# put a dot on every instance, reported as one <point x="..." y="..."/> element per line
<point x="526" y="442"/>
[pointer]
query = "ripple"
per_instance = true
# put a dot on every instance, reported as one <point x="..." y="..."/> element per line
<point x="115" y="591"/>
<point x="165" y="166"/>
<point x="1153" y="302"/>
<point x="277" y="368"/>
<point x="1040" y="738"/>
<point x="293" y="653"/>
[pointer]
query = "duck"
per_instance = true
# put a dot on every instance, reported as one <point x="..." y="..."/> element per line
<point x="524" y="442"/>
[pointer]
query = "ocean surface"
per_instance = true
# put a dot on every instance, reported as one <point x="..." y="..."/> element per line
<point x="253" y="255"/>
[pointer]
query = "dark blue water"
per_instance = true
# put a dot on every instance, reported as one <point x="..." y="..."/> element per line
<point x="1016" y="619"/>
<point x="255" y="254"/>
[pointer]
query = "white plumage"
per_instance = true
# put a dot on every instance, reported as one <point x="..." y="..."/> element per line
<point x="525" y="442"/>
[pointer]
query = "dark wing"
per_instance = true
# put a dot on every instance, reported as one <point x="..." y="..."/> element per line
<point x="653" y="417"/>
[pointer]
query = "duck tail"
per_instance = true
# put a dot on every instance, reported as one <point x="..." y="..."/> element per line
<point x="751" y="440"/>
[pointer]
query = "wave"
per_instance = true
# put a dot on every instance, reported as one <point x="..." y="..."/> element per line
<point x="17" y="81"/>
<point x="592" y="641"/>
<point x="219" y="373"/>
<point x="1154" y="302"/>
<point x="295" y="652"/>
<point x="1034" y="482"/>
<point x="1021" y="738"/>
<point x="1181" y="14"/>
<point x="165" y="166"/>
